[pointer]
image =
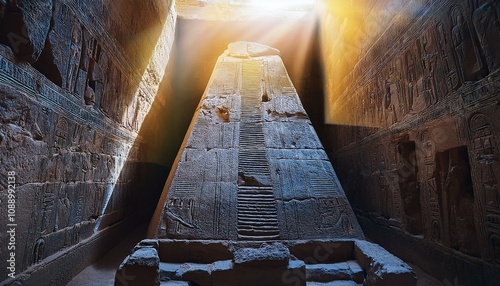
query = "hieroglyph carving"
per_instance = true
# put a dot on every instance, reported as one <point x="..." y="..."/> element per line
<point x="485" y="152"/>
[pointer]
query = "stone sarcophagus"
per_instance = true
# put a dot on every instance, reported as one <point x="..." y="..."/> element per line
<point x="251" y="166"/>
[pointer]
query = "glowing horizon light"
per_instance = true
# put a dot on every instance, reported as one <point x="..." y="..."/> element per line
<point x="277" y="4"/>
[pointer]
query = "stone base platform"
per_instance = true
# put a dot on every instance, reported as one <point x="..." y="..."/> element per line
<point x="311" y="262"/>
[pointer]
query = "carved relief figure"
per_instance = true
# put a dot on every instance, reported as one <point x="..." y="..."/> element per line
<point x="378" y="102"/>
<point x="410" y="81"/>
<point x="329" y="210"/>
<point x="447" y="65"/>
<point x="63" y="209"/>
<point x="487" y="26"/>
<point x="390" y="110"/>
<point x="90" y="76"/>
<point x="106" y="100"/>
<point x="429" y="59"/>
<point x="400" y="86"/>
<point x="484" y="145"/>
<point x="419" y="100"/>
<point x="468" y="57"/>
<point x="372" y="107"/>
<point x="181" y="213"/>
<point x="487" y="170"/>
<point x="48" y="213"/>
<point x="429" y="183"/>
<point x="74" y="56"/>
<point x="392" y="182"/>
<point x="61" y="133"/>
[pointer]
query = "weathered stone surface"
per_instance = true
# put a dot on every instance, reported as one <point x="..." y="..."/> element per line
<point x="277" y="264"/>
<point x="358" y="274"/>
<point x="334" y="283"/>
<point x="139" y="268"/>
<point x="175" y="283"/>
<point x="72" y="108"/>
<point x="243" y="49"/>
<point x="197" y="273"/>
<point x="273" y="185"/>
<point x="145" y="243"/>
<point x="382" y="268"/>
<point x="413" y="108"/>
<point x="195" y="251"/>
<point x="252" y="167"/>
<point x="24" y="27"/>
<point x="275" y="254"/>
<point x="328" y="272"/>
<point x="322" y="251"/>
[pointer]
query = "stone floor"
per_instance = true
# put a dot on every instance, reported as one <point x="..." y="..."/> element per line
<point x="102" y="273"/>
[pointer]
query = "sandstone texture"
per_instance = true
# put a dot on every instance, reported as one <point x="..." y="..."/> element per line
<point x="77" y="79"/>
<point x="413" y="116"/>
<point x="252" y="192"/>
<point x="252" y="166"/>
<point x="256" y="263"/>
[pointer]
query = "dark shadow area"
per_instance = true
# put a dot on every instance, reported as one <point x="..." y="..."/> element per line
<point x="456" y="200"/>
<point x="102" y="272"/>
<point x="409" y="187"/>
<point x="311" y="89"/>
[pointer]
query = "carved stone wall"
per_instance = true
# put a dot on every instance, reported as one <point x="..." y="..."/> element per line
<point x="413" y="123"/>
<point x="77" y="79"/>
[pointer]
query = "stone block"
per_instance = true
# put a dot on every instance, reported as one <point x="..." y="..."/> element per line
<point x="328" y="272"/>
<point x="197" y="273"/>
<point x="139" y="268"/>
<point x="358" y="274"/>
<point x="182" y="251"/>
<point x="275" y="254"/>
<point x="381" y="267"/>
<point x="322" y="251"/>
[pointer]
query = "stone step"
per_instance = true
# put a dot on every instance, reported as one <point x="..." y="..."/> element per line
<point x="251" y="191"/>
<point x="242" y="196"/>
<point x="168" y="270"/>
<point x="257" y="225"/>
<point x="259" y="237"/>
<point x="349" y="270"/>
<point x="252" y="198"/>
<point x="257" y="202"/>
<point x="247" y="212"/>
<point x="257" y="214"/>
<point x="333" y="283"/>
<point x="174" y="283"/>
<point x="257" y="231"/>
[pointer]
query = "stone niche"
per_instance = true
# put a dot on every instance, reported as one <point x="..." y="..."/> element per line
<point x="414" y="131"/>
<point x="76" y="83"/>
